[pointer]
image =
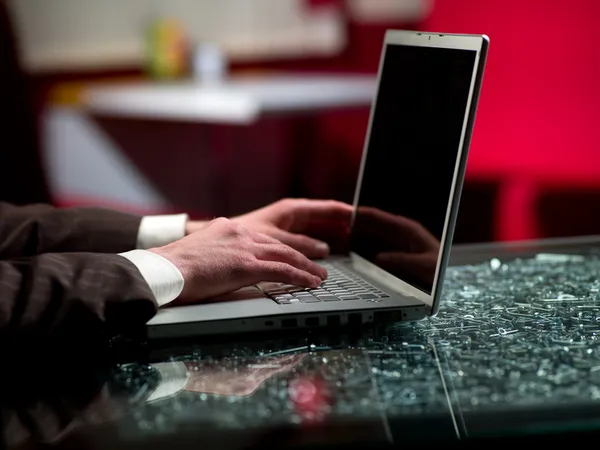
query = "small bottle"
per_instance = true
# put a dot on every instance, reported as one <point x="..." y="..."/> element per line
<point x="166" y="47"/>
<point x="209" y="64"/>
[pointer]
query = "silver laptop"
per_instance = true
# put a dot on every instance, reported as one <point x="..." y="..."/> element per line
<point x="405" y="205"/>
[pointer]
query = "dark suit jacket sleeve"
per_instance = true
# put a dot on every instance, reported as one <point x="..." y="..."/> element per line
<point x="72" y="294"/>
<point x="36" y="229"/>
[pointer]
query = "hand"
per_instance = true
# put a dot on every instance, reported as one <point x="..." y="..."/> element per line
<point x="298" y="223"/>
<point x="232" y="378"/>
<point x="225" y="256"/>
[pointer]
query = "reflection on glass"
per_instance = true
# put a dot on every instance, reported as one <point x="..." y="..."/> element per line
<point x="411" y="158"/>
<point x="228" y="392"/>
<point x="230" y="378"/>
<point x="397" y="244"/>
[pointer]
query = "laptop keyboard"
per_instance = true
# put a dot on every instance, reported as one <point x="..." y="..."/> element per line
<point x="340" y="285"/>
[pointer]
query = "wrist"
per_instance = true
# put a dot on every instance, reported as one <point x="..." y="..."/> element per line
<point x="163" y="277"/>
<point x="171" y="253"/>
<point x="191" y="226"/>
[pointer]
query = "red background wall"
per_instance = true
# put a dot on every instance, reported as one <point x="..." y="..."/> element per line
<point x="537" y="128"/>
<point x="537" y="134"/>
<point x="540" y="106"/>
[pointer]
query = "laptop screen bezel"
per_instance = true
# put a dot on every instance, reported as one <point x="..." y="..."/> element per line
<point x="478" y="44"/>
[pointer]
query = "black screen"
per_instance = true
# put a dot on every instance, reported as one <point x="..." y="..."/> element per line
<point x="412" y="155"/>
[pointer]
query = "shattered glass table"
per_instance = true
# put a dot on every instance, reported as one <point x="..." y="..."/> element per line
<point x="514" y="352"/>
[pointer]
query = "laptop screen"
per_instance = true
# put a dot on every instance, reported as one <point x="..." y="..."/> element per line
<point x="412" y="153"/>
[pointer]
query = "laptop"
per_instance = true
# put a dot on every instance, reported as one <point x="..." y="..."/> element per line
<point x="405" y="206"/>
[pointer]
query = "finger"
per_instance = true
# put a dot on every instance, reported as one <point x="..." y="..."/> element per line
<point x="382" y="218"/>
<point x="308" y="210"/>
<point x="282" y="253"/>
<point x="380" y="239"/>
<point x="280" y="272"/>
<point x="336" y="234"/>
<point x="310" y="247"/>
<point x="392" y="223"/>
<point x="261" y="238"/>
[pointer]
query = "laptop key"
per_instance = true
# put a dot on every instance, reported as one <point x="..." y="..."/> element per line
<point x="328" y="298"/>
<point x="349" y="297"/>
<point x="311" y="299"/>
<point x="367" y="296"/>
<point x="270" y="287"/>
<point x="276" y="293"/>
<point x="293" y="290"/>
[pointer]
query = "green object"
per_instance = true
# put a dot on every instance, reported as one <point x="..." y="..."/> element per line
<point x="165" y="53"/>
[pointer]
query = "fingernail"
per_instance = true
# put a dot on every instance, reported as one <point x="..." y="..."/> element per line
<point x="316" y="282"/>
<point x="322" y="247"/>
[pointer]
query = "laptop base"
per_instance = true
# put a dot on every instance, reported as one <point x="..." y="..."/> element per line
<point x="333" y="319"/>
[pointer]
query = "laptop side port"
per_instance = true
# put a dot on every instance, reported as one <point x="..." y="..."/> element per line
<point x="390" y="316"/>
<point x="289" y="323"/>
<point x="334" y="321"/>
<point x="312" y="322"/>
<point x="355" y="319"/>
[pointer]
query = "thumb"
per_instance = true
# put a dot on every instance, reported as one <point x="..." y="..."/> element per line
<point x="311" y="248"/>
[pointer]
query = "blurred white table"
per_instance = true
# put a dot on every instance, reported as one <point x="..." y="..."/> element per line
<point x="239" y="100"/>
<point x="211" y="138"/>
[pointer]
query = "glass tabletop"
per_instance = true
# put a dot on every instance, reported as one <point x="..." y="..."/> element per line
<point x="520" y="329"/>
<point x="513" y="352"/>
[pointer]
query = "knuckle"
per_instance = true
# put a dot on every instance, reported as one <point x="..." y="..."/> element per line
<point x="287" y="270"/>
<point x="288" y="252"/>
<point x="242" y="264"/>
<point x="220" y="221"/>
<point x="237" y="229"/>
<point x="289" y="203"/>
<point x="230" y="226"/>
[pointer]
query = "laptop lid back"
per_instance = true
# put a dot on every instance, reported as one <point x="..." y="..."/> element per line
<point x="414" y="159"/>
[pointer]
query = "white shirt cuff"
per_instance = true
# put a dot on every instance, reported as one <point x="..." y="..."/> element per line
<point x="165" y="280"/>
<point x="156" y="231"/>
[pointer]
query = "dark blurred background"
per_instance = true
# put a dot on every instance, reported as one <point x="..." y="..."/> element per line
<point x="154" y="106"/>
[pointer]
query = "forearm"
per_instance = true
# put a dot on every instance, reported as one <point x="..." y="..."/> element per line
<point x="75" y="294"/>
<point x="36" y="229"/>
